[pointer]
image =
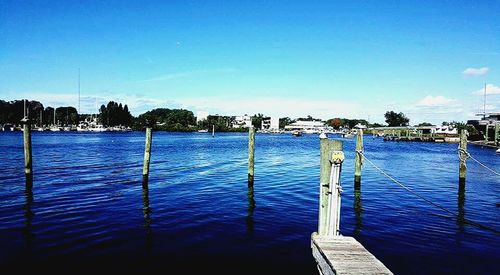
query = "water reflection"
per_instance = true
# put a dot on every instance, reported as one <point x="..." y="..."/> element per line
<point x="28" y="216"/>
<point x="146" y="210"/>
<point x="251" y="206"/>
<point x="29" y="182"/>
<point x="461" y="209"/>
<point x="358" y="211"/>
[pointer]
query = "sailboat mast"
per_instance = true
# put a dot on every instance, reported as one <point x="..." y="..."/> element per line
<point x="41" y="121"/>
<point x="484" y="102"/>
<point x="78" y="90"/>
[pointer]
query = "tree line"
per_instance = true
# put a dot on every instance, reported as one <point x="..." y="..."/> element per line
<point x="115" y="113"/>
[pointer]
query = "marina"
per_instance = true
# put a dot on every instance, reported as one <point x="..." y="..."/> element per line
<point x="249" y="137"/>
<point x="202" y="182"/>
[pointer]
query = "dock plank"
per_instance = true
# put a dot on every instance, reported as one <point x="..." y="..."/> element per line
<point x="344" y="255"/>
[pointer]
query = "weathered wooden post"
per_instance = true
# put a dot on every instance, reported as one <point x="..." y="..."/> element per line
<point x="28" y="163"/>
<point x="213" y="130"/>
<point x="251" y="153"/>
<point x="463" y="157"/>
<point x="147" y="154"/>
<point x="331" y="156"/>
<point x="358" y="160"/>
<point x="486" y="134"/>
<point x="497" y="132"/>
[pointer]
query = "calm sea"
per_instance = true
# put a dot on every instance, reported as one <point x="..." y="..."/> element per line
<point x="88" y="209"/>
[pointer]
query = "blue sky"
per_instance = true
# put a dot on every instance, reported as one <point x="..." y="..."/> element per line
<point x="353" y="59"/>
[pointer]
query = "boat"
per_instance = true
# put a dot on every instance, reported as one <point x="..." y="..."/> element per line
<point x="347" y="134"/>
<point x="54" y="127"/>
<point x="296" y="133"/>
<point x="82" y="127"/>
<point x="311" y="131"/>
<point x="8" y="127"/>
<point x="323" y="136"/>
<point x="203" y="131"/>
<point x="498" y="151"/>
<point x="94" y="127"/>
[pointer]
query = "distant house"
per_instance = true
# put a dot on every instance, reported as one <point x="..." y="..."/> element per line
<point x="244" y="121"/>
<point x="309" y="126"/>
<point x="488" y="127"/>
<point x="360" y="126"/>
<point x="270" y="123"/>
<point x="446" y="129"/>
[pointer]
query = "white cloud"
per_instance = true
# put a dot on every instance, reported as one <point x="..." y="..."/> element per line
<point x="434" y="101"/>
<point x="476" y="71"/>
<point x="490" y="90"/>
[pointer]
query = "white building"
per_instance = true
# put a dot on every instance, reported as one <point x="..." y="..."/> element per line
<point x="271" y="123"/>
<point x="446" y="129"/>
<point x="307" y="126"/>
<point x="201" y="115"/>
<point x="244" y="121"/>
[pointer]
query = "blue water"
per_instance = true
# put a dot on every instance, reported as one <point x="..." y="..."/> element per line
<point x="88" y="207"/>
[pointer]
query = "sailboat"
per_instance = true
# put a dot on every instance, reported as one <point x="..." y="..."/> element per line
<point x="40" y="129"/>
<point x="54" y="127"/>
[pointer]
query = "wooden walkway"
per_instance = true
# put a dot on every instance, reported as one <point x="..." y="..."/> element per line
<point x="344" y="255"/>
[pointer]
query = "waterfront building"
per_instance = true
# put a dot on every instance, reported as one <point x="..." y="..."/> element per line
<point x="244" y="121"/>
<point x="270" y="123"/>
<point x="307" y="126"/>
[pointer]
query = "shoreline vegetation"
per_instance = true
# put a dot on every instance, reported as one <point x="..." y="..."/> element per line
<point x="115" y="114"/>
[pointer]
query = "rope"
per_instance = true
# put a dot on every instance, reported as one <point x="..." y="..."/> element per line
<point x="484" y="166"/>
<point x="427" y="200"/>
<point x="360" y="153"/>
<point x="463" y="155"/>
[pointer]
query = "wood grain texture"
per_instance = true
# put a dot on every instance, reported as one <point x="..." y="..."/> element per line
<point x="344" y="255"/>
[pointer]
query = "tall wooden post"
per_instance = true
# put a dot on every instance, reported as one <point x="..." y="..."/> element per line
<point x="358" y="159"/>
<point x="463" y="156"/>
<point x="327" y="149"/>
<point x="486" y="134"/>
<point x="147" y="154"/>
<point x="213" y="130"/>
<point x="497" y="132"/>
<point x="251" y="153"/>
<point x="28" y="163"/>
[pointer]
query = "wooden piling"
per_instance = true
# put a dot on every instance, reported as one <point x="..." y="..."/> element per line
<point x="327" y="147"/>
<point x="358" y="158"/>
<point x="28" y="163"/>
<point x="251" y="154"/>
<point x="463" y="156"/>
<point x="497" y="133"/>
<point x="147" y="154"/>
<point x="213" y="130"/>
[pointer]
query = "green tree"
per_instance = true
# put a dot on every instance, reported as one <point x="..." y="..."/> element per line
<point x="257" y="120"/>
<point x="284" y="121"/>
<point x="114" y="114"/>
<point x="167" y="119"/>
<point x="396" y="119"/>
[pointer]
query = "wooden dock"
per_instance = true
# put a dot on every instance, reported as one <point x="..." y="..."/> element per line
<point x="334" y="253"/>
<point x="344" y="255"/>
